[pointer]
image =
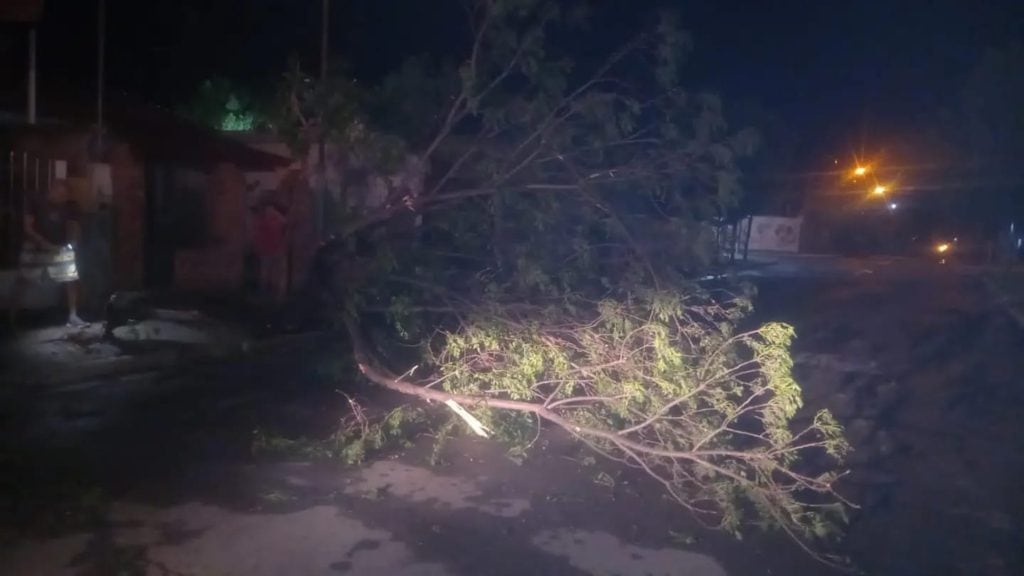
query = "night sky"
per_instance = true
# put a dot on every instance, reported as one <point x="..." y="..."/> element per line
<point x="838" y="77"/>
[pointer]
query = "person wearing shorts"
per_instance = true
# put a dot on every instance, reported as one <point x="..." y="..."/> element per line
<point x="47" y="251"/>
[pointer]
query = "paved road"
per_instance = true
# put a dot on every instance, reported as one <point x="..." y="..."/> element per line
<point x="934" y="414"/>
<point x="387" y="518"/>
<point x="151" y="474"/>
<point x="823" y="266"/>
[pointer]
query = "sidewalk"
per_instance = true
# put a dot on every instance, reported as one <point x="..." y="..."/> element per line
<point x="59" y="354"/>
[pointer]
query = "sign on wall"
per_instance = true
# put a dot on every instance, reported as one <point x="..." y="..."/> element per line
<point x="775" y="233"/>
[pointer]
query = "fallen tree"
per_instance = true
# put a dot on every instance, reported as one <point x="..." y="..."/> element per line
<point x="659" y="384"/>
<point x="543" y="276"/>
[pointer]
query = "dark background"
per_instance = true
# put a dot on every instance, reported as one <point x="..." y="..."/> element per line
<point x="823" y="80"/>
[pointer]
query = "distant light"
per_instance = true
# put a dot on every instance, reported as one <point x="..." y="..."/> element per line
<point x="1011" y="227"/>
<point x="860" y="170"/>
<point x="893" y="206"/>
<point x="942" y="247"/>
<point x="879" y="190"/>
<point x="955" y="239"/>
<point x="1018" y="242"/>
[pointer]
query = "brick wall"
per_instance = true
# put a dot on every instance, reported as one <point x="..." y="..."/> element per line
<point x="218" y="266"/>
<point x="129" y="203"/>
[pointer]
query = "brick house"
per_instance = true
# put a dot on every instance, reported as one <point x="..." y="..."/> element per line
<point x="164" y="201"/>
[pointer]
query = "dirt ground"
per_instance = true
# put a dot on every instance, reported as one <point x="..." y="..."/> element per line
<point x="153" y="473"/>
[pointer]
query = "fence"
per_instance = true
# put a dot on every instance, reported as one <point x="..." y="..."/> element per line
<point x="732" y="240"/>
<point x="21" y="175"/>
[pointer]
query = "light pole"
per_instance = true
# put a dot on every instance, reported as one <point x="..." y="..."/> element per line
<point x="324" y="32"/>
<point x="101" y="42"/>
<point x="32" y="74"/>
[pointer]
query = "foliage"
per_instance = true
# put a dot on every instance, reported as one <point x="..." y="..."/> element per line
<point x="355" y="437"/>
<point x="521" y="119"/>
<point x="978" y="138"/>
<point x="222" y="105"/>
<point x="990" y="109"/>
<point x="563" y="206"/>
<point x="333" y="110"/>
<point x="660" y="382"/>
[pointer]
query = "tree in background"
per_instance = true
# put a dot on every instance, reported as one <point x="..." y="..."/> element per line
<point x="779" y="180"/>
<point x="222" y="105"/>
<point x="982" y="133"/>
<point x="540" y="263"/>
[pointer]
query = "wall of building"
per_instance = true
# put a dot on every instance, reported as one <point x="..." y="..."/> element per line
<point x="141" y="225"/>
<point x="218" y="266"/>
<point x="129" y="217"/>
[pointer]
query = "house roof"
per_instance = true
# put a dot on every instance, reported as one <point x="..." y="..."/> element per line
<point x="155" y="132"/>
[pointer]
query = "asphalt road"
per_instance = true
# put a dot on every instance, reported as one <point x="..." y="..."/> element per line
<point x="152" y="473"/>
<point x="934" y="413"/>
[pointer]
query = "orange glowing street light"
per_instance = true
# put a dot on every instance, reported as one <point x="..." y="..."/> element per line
<point x="879" y="190"/>
<point x="860" y="170"/>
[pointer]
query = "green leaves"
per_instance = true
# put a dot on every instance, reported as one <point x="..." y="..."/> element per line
<point x="222" y="105"/>
<point x="572" y="142"/>
<point x="565" y="204"/>
<point x="708" y="410"/>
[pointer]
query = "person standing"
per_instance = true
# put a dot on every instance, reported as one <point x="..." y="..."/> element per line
<point x="50" y="233"/>
<point x="270" y="241"/>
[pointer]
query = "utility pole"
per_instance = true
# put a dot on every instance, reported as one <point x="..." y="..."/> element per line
<point x="32" y="74"/>
<point x="101" y="41"/>
<point x="324" y="35"/>
<point x="321" y="200"/>
<point x="28" y="12"/>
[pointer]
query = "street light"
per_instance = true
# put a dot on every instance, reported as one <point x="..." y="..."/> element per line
<point x="879" y="190"/>
<point x="860" y="170"/>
